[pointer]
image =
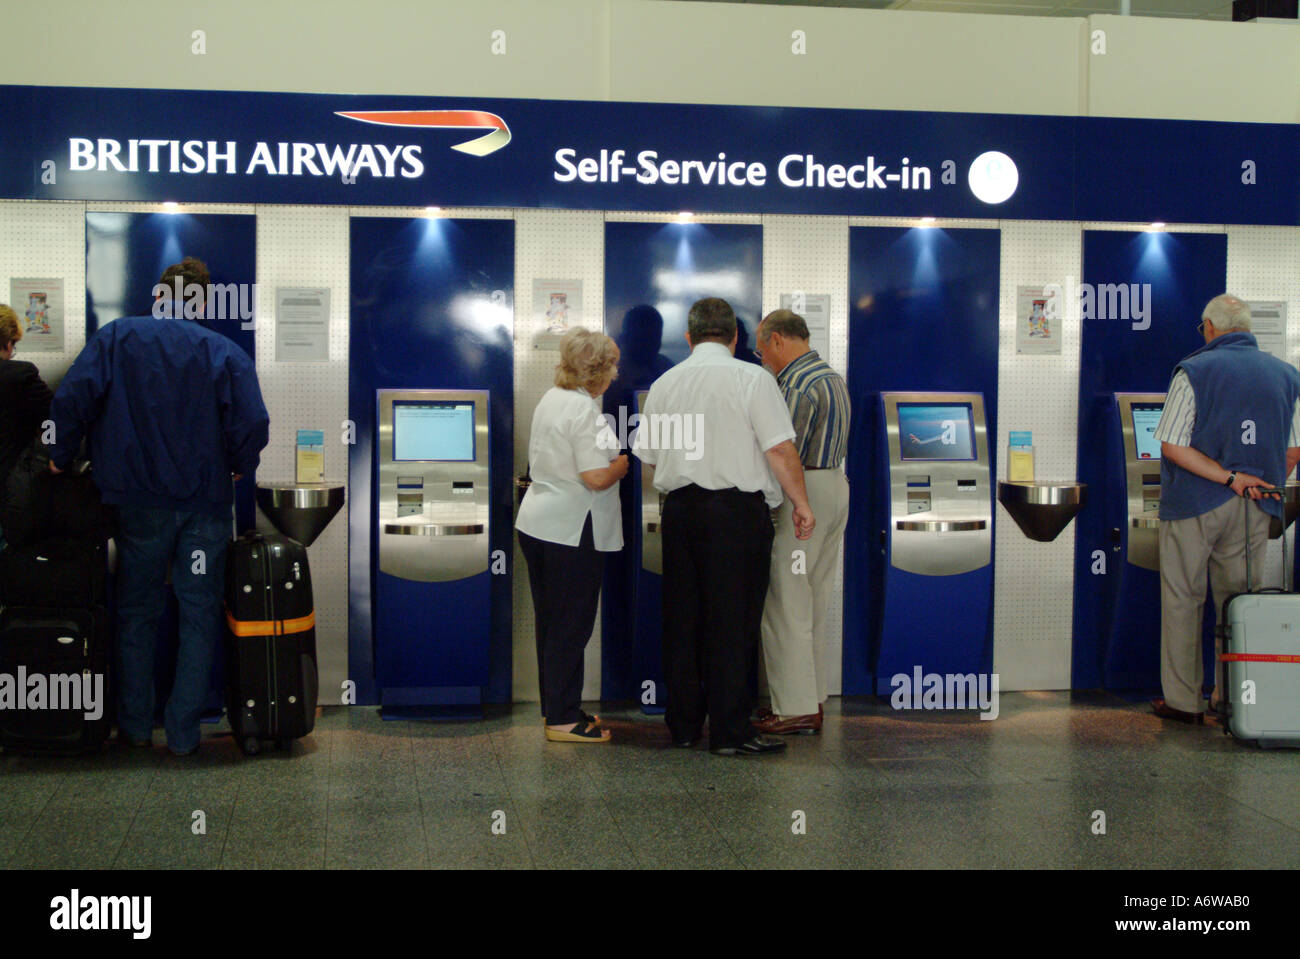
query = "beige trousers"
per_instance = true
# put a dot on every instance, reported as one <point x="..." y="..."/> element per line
<point x="799" y="596"/>
<point x="1216" y="540"/>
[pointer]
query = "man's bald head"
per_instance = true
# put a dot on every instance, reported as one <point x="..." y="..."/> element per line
<point x="1227" y="313"/>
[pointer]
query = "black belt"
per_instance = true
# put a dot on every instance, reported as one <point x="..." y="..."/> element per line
<point x="813" y="468"/>
<point x="694" y="490"/>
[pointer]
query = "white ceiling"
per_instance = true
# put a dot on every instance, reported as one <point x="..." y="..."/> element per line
<point x="1185" y="9"/>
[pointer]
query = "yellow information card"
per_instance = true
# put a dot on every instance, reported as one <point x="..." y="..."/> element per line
<point x="1020" y="456"/>
<point x="311" y="456"/>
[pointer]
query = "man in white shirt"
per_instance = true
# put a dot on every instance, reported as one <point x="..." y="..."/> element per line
<point x="719" y="435"/>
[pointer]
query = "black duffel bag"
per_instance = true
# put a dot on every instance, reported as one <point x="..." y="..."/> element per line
<point x="36" y="504"/>
<point x="25" y="498"/>
<point x="76" y="508"/>
<point x="55" y="573"/>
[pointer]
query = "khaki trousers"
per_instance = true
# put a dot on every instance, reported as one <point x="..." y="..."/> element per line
<point x="1215" y="540"/>
<point x="798" y="602"/>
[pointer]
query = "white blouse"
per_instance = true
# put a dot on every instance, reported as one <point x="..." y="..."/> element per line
<point x="569" y="437"/>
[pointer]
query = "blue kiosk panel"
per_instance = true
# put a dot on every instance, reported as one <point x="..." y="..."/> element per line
<point x="431" y="311"/>
<point x="653" y="273"/>
<point x="1140" y="300"/>
<point x="938" y="533"/>
<point x="923" y="316"/>
<point x="126" y="254"/>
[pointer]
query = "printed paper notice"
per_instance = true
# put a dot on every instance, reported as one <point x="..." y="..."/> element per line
<point x="557" y="308"/>
<point x="302" y="324"/>
<point x="1268" y="323"/>
<point x="815" y="308"/>
<point x="39" y="305"/>
<point x="1036" y="331"/>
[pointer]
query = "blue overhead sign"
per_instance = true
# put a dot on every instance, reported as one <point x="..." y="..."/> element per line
<point x="64" y="143"/>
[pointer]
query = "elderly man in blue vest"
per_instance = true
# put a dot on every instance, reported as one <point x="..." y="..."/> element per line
<point x="1228" y="433"/>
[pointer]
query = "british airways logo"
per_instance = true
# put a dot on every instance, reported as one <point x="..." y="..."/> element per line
<point x="294" y="159"/>
<point x="497" y="137"/>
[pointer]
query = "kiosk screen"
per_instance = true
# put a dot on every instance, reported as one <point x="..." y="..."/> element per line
<point x="929" y="431"/>
<point x="1145" y="419"/>
<point x="433" y="431"/>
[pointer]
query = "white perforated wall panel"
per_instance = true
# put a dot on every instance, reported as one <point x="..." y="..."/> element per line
<point x="44" y="240"/>
<point x="811" y="253"/>
<point x="549" y="245"/>
<point x="1034" y="582"/>
<point x="1264" y="264"/>
<point x="308" y="246"/>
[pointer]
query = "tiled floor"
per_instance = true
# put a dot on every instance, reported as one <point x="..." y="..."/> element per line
<point x="877" y="789"/>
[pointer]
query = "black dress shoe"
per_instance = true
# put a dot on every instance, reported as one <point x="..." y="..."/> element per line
<point x="753" y="747"/>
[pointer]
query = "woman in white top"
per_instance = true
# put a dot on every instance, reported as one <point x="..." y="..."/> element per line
<point x="569" y="517"/>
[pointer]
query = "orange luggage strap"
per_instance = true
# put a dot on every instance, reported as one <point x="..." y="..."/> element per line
<point x="271" y="627"/>
<point x="1259" y="658"/>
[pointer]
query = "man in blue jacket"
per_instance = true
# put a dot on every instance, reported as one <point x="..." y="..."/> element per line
<point x="1229" y="428"/>
<point x="173" y="412"/>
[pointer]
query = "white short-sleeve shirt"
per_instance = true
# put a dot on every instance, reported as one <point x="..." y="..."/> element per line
<point x="709" y="420"/>
<point x="569" y="437"/>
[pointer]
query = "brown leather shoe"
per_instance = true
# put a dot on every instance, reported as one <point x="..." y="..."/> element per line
<point x="1165" y="711"/>
<point x="785" y="725"/>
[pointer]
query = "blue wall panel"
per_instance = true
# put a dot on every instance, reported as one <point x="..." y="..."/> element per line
<point x="126" y="254"/>
<point x="431" y="309"/>
<point x="653" y="273"/>
<point x="1117" y="615"/>
<point x="923" y="315"/>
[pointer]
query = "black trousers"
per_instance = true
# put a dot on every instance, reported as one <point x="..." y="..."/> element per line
<point x="565" y="582"/>
<point x="717" y="546"/>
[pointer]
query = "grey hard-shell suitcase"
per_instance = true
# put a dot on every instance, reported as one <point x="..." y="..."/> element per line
<point x="1261" y="657"/>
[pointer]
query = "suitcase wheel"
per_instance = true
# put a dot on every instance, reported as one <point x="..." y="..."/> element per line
<point x="250" y="745"/>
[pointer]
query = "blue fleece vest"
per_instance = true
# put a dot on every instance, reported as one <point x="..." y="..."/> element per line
<point x="1233" y="381"/>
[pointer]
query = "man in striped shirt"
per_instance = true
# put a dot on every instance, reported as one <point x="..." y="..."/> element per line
<point x="799" y="587"/>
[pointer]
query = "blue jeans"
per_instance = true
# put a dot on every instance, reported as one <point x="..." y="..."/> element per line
<point x="194" y="546"/>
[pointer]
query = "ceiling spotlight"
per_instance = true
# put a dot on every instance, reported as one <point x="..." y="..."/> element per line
<point x="171" y="206"/>
<point x="1158" y="225"/>
<point x="685" y="215"/>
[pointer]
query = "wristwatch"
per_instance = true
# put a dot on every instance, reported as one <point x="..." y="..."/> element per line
<point x="1232" y="478"/>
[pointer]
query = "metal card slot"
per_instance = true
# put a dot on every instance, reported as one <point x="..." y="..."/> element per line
<point x="918" y="481"/>
<point x="966" y="483"/>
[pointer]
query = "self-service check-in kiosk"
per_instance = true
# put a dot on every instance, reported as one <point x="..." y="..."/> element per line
<point x="432" y="584"/>
<point x="647" y="626"/>
<point x="938" y="537"/>
<point x="1131" y="658"/>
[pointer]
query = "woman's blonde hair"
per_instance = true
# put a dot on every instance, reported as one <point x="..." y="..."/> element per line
<point x="586" y="359"/>
<point x="11" y="331"/>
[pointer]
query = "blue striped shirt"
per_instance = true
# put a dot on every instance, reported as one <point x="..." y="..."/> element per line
<point x="819" y="408"/>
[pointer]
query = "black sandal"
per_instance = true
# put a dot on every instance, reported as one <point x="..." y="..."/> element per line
<point x="582" y="732"/>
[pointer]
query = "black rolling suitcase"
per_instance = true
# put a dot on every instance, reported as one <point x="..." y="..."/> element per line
<point x="55" y="672"/>
<point x="271" y="641"/>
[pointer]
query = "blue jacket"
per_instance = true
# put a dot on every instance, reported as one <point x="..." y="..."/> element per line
<point x="171" y="408"/>
<point x="1233" y="382"/>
